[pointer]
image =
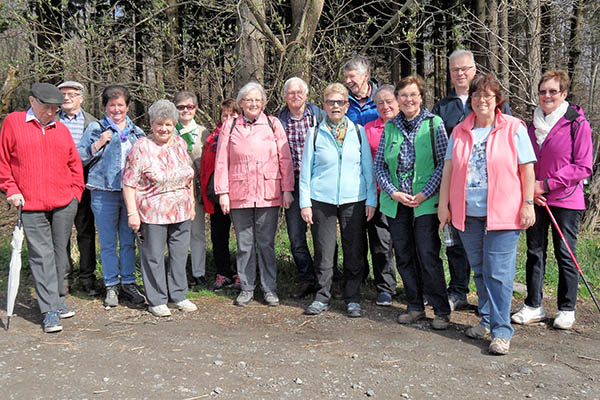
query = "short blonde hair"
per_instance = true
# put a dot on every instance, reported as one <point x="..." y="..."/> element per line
<point x="335" y="88"/>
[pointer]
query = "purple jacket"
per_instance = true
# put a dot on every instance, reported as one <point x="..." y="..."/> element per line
<point x="562" y="163"/>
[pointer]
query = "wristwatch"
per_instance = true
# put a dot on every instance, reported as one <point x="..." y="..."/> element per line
<point x="530" y="202"/>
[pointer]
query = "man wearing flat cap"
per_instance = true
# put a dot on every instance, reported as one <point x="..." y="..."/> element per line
<point x="76" y="120"/>
<point x="40" y="170"/>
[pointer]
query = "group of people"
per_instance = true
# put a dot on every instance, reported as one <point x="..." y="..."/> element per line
<point x="372" y="160"/>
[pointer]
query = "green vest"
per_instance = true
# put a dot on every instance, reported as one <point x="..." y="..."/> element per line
<point x="422" y="169"/>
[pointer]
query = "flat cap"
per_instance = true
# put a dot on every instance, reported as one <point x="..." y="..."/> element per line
<point x="47" y="94"/>
<point x="71" y="84"/>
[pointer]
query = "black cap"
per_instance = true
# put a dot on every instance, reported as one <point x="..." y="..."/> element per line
<point x="47" y="94"/>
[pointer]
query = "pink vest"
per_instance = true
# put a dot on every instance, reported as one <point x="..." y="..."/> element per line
<point x="505" y="196"/>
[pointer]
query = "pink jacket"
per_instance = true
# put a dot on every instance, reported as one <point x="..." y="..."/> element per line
<point x="253" y="163"/>
<point x="505" y="196"/>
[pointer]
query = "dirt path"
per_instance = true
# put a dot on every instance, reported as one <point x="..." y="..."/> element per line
<point x="259" y="352"/>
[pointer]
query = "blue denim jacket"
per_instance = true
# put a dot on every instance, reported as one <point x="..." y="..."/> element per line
<point x="105" y="164"/>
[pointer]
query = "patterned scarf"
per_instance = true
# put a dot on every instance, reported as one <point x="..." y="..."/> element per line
<point x="338" y="131"/>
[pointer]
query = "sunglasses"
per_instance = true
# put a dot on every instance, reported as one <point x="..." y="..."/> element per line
<point x="550" y="92"/>
<point x="339" y="103"/>
<point x="188" y="107"/>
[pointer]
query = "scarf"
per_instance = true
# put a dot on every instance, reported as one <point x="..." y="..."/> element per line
<point x="544" y="123"/>
<point x="188" y="133"/>
<point x="338" y="131"/>
<point x="125" y="132"/>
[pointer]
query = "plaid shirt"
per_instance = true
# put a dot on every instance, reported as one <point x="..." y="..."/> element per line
<point x="406" y="158"/>
<point x="296" y="131"/>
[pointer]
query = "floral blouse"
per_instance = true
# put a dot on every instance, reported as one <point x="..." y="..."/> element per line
<point x="162" y="176"/>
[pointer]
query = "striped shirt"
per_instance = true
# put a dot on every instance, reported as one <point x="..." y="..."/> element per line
<point x="75" y="124"/>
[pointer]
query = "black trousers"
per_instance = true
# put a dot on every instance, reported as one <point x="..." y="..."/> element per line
<point x="220" y="226"/>
<point x="351" y="218"/>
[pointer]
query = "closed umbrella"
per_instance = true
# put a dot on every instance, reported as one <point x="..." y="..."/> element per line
<point x="15" y="267"/>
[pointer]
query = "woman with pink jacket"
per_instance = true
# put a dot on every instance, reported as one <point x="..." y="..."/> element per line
<point x="562" y="140"/>
<point x="487" y="194"/>
<point x="253" y="178"/>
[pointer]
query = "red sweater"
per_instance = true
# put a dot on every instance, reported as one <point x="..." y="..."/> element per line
<point x="207" y="166"/>
<point x="41" y="164"/>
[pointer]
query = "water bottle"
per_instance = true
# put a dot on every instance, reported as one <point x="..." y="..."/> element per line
<point x="448" y="238"/>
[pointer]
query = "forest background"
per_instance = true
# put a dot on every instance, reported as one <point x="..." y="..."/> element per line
<point x="156" y="47"/>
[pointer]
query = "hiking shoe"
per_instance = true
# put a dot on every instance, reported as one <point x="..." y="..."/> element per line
<point x="197" y="283"/>
<point x="131" y="293"/>
<point x="337" y="290"/>
<point x="499" y="346"/>
<point x="384" y="299"/>
<point x="244" y="298"/>
<point x="411" y="317"/>
<point x="271" y="299"/>
<point x="221" y="282"/>
<point x="477" y="332"/>
<point x="112" y="296"/>
<point x="456" y="303"/>
<point x="52" y="322"/>
<point x="316" y="308"/>
<point x="236" y="283"/>
<point x="160" y="311"/>
<point x="529" y="315"/>
<point x="353" y="310"/>
<point x="90" y="289"/>
<point x="65" y="312"/>
<point x="440" y="322"/>
<point x="564" y="319"/>
<point x="302" y="290"/>
<point x="186" y="306"/>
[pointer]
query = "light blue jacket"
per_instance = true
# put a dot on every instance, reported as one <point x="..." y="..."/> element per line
<point x="104" y="165"/>
<point x="337" y="176"/>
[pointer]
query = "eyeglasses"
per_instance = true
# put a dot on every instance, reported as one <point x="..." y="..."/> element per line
<point x="479" y="95"/>
<point x="253" y="101"/>
<point x="188" y="107"/>
<point x="550" y="92"/>
<point x="297" y="93"/>
<point x="71" y="95"/>
<point x="464" y="70"/>
<point x="339" y="103"/>
<point x="412" y="96"/>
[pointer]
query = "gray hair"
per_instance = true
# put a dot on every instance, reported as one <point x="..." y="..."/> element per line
<point x="359" y="64"/>
<point x="247" y="88"/>
<point x="461" y="52"/>
<point x="292" y="80"/>
<point x="162" y="110"/>
<point x="384" y="88"/>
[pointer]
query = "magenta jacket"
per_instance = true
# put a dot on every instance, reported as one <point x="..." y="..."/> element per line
<point x="253" y="163"/>
<point x="563" y="163"/>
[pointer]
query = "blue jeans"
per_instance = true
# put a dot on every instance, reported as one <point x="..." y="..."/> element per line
<point x="492" y="256"/>
<point x="111" y="220"/>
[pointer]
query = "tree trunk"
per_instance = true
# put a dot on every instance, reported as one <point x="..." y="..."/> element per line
<point x="503" y="72"/>
<point x="305" y="19"/>
<point x="478" y="36"/>
<point x="492" y="36"/>
<point x="533" y="49"/>
<point x="250" y="47"/>
<point x="575" y="44"/>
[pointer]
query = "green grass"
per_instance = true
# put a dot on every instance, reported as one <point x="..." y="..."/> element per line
<point x="588" y="256"/>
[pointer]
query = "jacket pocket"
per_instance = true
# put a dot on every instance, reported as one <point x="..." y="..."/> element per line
<point x="272" y="185"/>
<point x="238" y="187"/>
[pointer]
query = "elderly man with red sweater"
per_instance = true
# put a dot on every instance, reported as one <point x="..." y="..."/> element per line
<point x="40" y="170"/>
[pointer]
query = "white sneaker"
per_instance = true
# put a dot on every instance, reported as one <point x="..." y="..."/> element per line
<point x="528" y="315"/>
<point x="186" y="305"/>
<point x="564" y="319"/>
<point x="160" y="310"/>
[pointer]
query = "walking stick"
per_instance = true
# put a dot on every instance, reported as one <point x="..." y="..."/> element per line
<point x="572" y="255"/>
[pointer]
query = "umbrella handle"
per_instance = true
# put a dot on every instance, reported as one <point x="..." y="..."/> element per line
<point x="19" y="212"/>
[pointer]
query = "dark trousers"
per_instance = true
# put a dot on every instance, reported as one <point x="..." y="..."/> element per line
<point x="351" y="218"/>
<point x="377" y="236"/>
<point x="296" y="229"/>
<point x="158" y="284"/>
<point x="417" y="247"/>
<point x="86" y="242"/>
<point x="220" y="226"/>
<point x="47" y="233"/>
<point x="537" y="244"/>
<point x="458" y="265"/>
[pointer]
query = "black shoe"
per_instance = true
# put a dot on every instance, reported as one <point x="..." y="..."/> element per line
<point x="90" y="289"/>
<point x="130" y="292"/>
<point x="302" y="290"/>
<point x="199" y="283"/>
<point x="337" y="290"/>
